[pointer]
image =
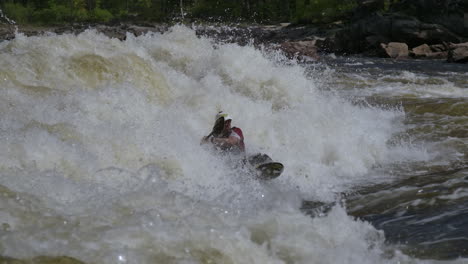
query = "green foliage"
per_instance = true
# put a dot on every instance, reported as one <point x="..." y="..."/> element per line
<point x="100" y="15"/>
<point x="45" y="16"/>
<point x="153" y="13"/>
<point x="81" y="15"/>
<point x="143" y="3"/>
<point x="263" y="11"/>
<point x="122" y="14"/>
<point x="61" y="13"/>
<point x="55" y="14"/>
<point x="17" y="12"/>
<point x="323" y="11"/>
<point x="214" y="9"/>
<point x="387" y="4"/>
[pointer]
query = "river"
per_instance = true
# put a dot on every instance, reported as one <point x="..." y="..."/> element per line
<point x="101" y="158"/>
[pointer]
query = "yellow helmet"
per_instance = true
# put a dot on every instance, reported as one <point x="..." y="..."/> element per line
<point x="224" y="115"/>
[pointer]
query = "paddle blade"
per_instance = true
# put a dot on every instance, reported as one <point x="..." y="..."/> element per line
<point x="218" y="126"/>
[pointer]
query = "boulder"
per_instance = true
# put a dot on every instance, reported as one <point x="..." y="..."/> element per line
<point x="139" y="30"/>
<point x="415" y="33"/>
<point x="295" y="33"/>
<point x="439" y="55"/>
<point x="6" y="33"/>
<point x="368" y="32"/>
<point x="439" y="47"/>
<point x="456" y="45"/>
<point x="300" y="49"/>
<point x="458" y="53"/>
<point x="448" y="13"/>
<point x="394" y="50"/>
<point x="361" y="36"/>
<point x="427" y="52"/>
<point x="421" y="51"/>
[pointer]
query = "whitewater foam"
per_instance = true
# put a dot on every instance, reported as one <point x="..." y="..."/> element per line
<point x="105" y="133"/>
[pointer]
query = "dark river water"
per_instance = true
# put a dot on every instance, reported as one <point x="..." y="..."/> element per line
<point x="424" y="207"/>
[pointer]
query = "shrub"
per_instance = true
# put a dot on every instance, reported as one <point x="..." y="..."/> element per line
<point x="81" y="15"/>
<point x="62" y="13"/>
<point x="17" y="12"/>
<point x="216" y="9"/>
<point x="52" y="15"/>
<point x="45" y="16"/>
<point x="324" y="11"/>
<point x="101" y="15"/>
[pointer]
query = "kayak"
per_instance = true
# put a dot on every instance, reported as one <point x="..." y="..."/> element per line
<point x="269" y="171"/>
<point x="265" y="168"/>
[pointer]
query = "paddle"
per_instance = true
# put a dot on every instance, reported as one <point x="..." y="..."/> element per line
<point x="217" y="128"/>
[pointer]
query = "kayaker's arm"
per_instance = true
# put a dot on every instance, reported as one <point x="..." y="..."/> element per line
<point x="225" y="142"/>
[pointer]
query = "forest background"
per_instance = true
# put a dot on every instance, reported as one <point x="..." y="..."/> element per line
<point x="58" y="12"/>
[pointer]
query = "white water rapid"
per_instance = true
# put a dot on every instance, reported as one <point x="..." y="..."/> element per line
<point x="101" y="159"/>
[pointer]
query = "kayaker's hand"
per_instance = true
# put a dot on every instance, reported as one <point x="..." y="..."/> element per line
<point x="204" y="140"/>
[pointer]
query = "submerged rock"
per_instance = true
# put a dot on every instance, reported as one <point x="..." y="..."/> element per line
<point x="300" y="49"/>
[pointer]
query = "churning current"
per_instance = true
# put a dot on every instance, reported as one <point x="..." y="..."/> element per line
<point x="101" y="158"/>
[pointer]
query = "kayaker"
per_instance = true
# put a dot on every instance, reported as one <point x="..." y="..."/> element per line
<point x="224" y="137"/>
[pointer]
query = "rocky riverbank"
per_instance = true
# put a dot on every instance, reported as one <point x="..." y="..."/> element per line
<point x="379" y="35"/>
<point x="389" y="36"/>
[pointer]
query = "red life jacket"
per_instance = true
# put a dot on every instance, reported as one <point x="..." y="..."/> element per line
<point x="238" y="131"/>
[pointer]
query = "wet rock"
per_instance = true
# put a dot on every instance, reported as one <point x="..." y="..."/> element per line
<point x="368" y="7"/>
<point x="367" y="33"/>
<point x="415" y="32"/>
<point x="420" y="51"/>
<point x="394" y="50"/>
<point x="429" y="52"/>
<point x="118" y="31"/>
<point x="448" y="13"/>
<point x="439" y="47"/>
<point x="437" y="55"/>
<point x="298" y="33"/>
<point x="138" y="31"/>
<point x="360" y="36"/>
<point x="375" y="40"/>
<point x="300" y="49"/>
<point x="458" y="53"/>
<point x="6" y="33"/>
